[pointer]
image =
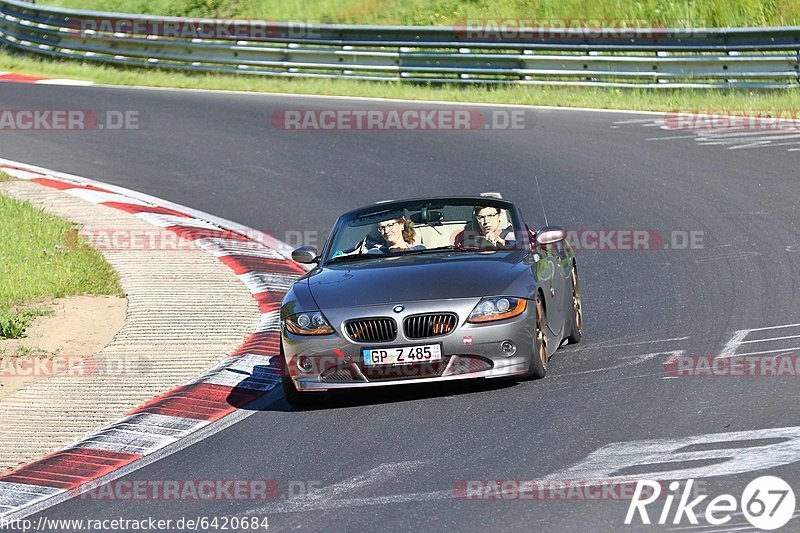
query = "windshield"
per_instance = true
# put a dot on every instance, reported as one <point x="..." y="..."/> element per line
<point x="423" y="227"/>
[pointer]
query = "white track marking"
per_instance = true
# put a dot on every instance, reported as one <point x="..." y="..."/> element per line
<point x="776" y="352"/>
<point x="739" y="338"/>
<point x="733" y="137"/>
<point x="293" y="506"/>
<point x="734" y="144"/>
<point x="760" y="144"/>
<point x="598" y="465"/>
<point x="649" y="342"/>
<point x="331" y="497"/>
<point x="767" y="138"/>
<point x="774" y="327"/>
<point x="734" y="342"/>
<point x="636" y="360"/>
<point x="737" y="255"/>
<point x="620" y="345"/>
<point x="608" y="460"/>
<point x="671" y="137"/>
<point x="740" y="132"/>
<point x="793" y="143"/>
<point x="370" y="478"/>
<point x="772" y="339"/>
<point x="756" y="141"/>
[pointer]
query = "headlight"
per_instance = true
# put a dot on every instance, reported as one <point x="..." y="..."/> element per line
<point x="308" y="324"/>
<point x="491" y="309"/>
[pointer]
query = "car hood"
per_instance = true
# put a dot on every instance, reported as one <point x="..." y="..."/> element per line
<point x="413" y="277"/>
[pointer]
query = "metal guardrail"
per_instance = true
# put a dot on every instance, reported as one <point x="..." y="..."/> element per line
<point x="666" y="58"/>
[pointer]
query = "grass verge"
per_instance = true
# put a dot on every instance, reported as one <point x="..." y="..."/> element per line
<point x="639" y="13"/>
<point x="41" y="256"/>
<point x="602" y="98"/>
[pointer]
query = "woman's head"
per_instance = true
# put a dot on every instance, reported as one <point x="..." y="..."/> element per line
<point x="397" y="231"/>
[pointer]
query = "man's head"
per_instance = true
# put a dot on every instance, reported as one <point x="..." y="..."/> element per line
<point x="488" y="219"/>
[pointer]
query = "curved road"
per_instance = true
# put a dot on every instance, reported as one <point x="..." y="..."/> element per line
<point x="391" y="458"/>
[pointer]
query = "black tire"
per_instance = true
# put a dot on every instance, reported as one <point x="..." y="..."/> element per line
<point x="538" y="368"/>
<point x="576" y="321"/>
<point x="294" y="397"/>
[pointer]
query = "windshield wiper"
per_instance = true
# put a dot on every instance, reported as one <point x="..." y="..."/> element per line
<point x="438" y="249"/>
<point x="449" y="248"/>
<point x="354" y="257"/>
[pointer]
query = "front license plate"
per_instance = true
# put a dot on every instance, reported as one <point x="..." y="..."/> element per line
<point x="402" y="355"/>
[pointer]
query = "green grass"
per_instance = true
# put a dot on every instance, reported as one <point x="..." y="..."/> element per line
<point x="670" y="13"/>
<point x="607" y="98"/>
<point x="41" y="256"/>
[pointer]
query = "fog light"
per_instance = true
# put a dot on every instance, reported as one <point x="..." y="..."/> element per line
<point x="305" y="364"/>
<point x="508" y="348"/>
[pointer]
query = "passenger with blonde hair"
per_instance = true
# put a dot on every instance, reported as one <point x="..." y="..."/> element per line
<point x="398" y="235"/>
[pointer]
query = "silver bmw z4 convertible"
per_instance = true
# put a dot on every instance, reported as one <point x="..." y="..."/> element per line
<point x="426" y="290"/>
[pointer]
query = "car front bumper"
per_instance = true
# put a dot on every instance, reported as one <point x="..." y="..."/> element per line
<point x="471" y="351"/>
<point x="314" y="384"/>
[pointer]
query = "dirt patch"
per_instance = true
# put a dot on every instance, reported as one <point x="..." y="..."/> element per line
<point x="78" y="327"/>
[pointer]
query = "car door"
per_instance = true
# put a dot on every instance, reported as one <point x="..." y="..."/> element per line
<point x="551" y="276"/>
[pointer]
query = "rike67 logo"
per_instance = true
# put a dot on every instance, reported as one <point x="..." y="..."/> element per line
<point x="768" y="503"/>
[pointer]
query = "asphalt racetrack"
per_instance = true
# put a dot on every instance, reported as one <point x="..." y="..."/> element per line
<point x="723" y="227"/>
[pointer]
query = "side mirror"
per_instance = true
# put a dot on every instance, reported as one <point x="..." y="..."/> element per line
<point x="550" y="235"/>
<point x="305" y="255"/>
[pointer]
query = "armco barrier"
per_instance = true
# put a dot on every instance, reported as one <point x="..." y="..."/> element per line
<point x="699" y="57"/>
